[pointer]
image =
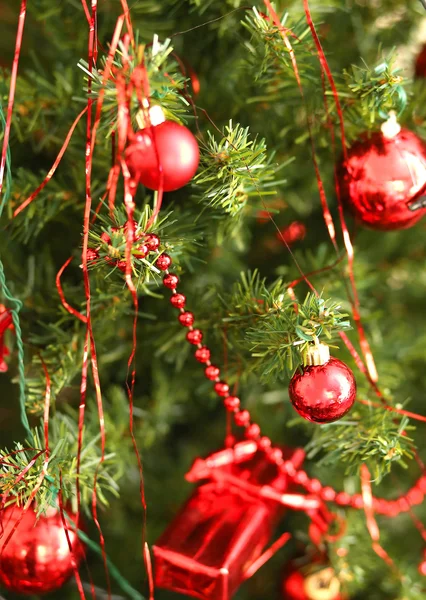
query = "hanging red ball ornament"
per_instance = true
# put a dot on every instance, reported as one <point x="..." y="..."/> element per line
<point x="382" y="177"/>
<point x="167" y="152"/>
<point x="319" y="584"/>
<point x="37" y="558"/>
<point x="325" y="389"/>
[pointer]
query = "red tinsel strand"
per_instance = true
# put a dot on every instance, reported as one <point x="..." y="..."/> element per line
<point x="12" y="88"/>
<point x="65" y="304"/>
<point x="70" y="548"/>
<point x="53" y="168"/>
<point x="372" y="526"/>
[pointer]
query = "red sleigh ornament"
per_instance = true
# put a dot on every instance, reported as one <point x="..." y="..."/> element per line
<point x="218" y="539"/>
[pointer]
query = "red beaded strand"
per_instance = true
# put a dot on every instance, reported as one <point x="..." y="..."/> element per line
<point x="242" y="418"/>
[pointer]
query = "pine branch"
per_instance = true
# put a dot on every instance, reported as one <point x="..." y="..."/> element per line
<point x="371" y="436"/>
<point x="235" y="169"/>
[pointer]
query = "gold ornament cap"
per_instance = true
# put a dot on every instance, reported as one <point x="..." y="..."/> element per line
<point x="322" y="585"/>
<point x="317" y="355"/>
<point x="391" y="127"/>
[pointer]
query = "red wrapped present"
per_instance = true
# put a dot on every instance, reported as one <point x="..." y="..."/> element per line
<point x="218" y="538"/>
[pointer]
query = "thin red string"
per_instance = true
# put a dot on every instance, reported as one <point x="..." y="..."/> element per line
<point x="12" y="89"/>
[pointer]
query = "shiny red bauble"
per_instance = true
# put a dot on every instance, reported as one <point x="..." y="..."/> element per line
<point x="167" y="152"/>
<point x="382" y="176"/>
<point x="37" y="558"/>
<point x="323" y="393"/>
<point x="318" y="585"/>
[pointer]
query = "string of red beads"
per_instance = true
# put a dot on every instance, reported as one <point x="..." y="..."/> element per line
<point x="242" y="417"/>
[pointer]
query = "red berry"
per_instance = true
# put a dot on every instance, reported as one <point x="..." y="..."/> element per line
<point x="178" y="300"/>
<point x="141" y="251"/>
<point x="323" y="393"/>
<point x="275" y="455"/>
<point x="212" y="372"/>
<point x="231" y="403"/>
<point x="153" y="242"/>
<point x="264" y="443"/>
<point x="242" y="418"/>
<point x="328" y="494"/>
<point x="171" y="281"/>
<point x="202" y="354"/>
<point x="343" y="499"/>
<point x="105" y="237"/>
<point x="221" y="388"/>
<point x="253" y="431"/>
<point x="163" y="262"/>
<point x="314" y="486"/>
<point x="195" y="336"/>
<point x="186" y="319"/>
<point x="92" y="254"/>
<point x="301" y="477"/>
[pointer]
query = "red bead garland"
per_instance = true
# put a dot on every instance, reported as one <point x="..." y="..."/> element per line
<point x="163" y="262"/>
<point x="186" y="319"/>
<point x="242" y="418"/>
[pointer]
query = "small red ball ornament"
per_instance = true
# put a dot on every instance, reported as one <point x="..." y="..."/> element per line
<point x="36" y="559"/>
<point x="382" y="176"/>
<point x="167" y="152"/>
<point x="325" y="390"/>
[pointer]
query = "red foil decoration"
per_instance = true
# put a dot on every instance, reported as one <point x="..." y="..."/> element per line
<point x="36" y="559"/>
<point x="167" y="153"/>
<point x="323" y="393"/>
<point x="219" y="537"/>
<point x="382" y="176"/>
<point x="6" y="322"/>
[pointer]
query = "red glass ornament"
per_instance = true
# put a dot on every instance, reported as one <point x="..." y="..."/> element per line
<point x="323" y="393"/>
<point x="195" y="336"/>
<point x="186" y="319"/>
<point x="315" y="583"/>
<point x="169" y="149"/>
<point x="171" y="281"/>
<point x="36" y="559"/>
<point x="382" y="176"/>
<point x="212" y="372"/>
<point x="178" y="300"/>
<point x="163" y="262"/>
<point x="202" y="354"/>
<point x="218" y="538"/>
<point x="420" y="66"/>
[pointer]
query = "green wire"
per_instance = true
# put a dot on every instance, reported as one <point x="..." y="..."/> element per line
<point x="17" y="304"/>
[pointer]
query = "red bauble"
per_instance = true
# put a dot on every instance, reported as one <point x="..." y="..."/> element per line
<point x="318" y="585"/>
<point x="382" y="176"/>
<point x="37" y="559"/>
<point x="323" y="393"/>
<point x="170" y="147"/>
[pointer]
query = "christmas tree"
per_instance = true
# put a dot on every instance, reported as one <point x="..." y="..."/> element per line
<point x="212" y="266"/>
